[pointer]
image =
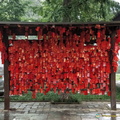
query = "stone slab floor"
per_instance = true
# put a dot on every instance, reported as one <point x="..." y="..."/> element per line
<point x="48" y="111"/>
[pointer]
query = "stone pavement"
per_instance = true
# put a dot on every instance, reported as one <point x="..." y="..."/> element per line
<point x="48" y="111"/>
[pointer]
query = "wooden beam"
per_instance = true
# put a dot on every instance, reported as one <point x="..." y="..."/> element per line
<point x="36" y="24"/>
<point x="6" y="74"/>
<point x="112" y="75"/>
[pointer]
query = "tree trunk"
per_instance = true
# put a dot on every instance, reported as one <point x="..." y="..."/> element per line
<point x="66" y="16"/>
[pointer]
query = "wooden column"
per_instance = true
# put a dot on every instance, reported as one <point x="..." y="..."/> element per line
<point x="113" y="115"/>
<point x="112" y="75"/>
<point x="6" y="115"/>
<point x="6" y="73"/>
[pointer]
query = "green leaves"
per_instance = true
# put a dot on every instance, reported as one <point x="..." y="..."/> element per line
<point x="11" y="10"/>
<point x="58" y="10"/>
<point x="78" y="10"/>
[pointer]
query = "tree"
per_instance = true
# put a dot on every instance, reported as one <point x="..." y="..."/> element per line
<point x="11" y="10"/>
<point x="58" y="10"/>
<point x="30" y="13"/>
<point x="76" y="10"/>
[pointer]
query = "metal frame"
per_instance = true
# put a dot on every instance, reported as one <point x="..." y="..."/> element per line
<point x="15" y="25"/>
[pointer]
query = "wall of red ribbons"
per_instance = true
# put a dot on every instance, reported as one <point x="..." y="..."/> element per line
<point x="63" y="59"/>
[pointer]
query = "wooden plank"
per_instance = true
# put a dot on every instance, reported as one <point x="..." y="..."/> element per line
<point x="6" y="74"/>
<point x="35" y="24"/>
<point x="112" y="75"/>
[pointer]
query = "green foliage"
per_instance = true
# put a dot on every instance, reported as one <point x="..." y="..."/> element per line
<point x="118" y="76"/>
<point x="30" y="14"/>
<point x="11" y="10"/>
<point x="118" y="93"/>
<point x="58" y="10"/>
<point x="54" y="97"/>
<point x="118" y="71"/>
<point x="40" y="97"/>
<point x="77" y="10"/>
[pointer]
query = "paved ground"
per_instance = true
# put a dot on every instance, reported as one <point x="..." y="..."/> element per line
<point x="47" y="111"/>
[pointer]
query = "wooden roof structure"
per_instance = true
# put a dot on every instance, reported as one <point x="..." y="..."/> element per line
<point x="35" y="24"/>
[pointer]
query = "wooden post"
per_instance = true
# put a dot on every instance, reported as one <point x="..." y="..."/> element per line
<point x="112" y="75"/>
<point x="113" y="115"/>
<point x="6" y="115"/>
<point x="6" y="73"/>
